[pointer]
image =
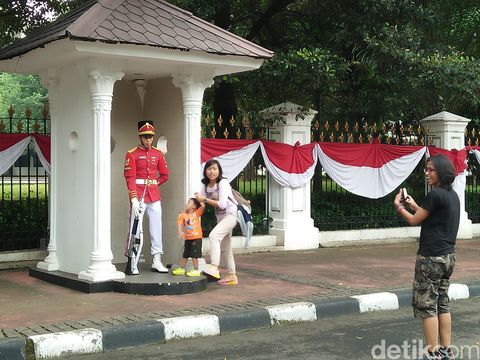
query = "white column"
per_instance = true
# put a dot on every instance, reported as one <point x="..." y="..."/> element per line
<point x="290" y="208"/>
<point x="447" y="131"/>
<point x="101" y="267"/>
<point x="192" y="87"/>
<point x="51" y="83"/>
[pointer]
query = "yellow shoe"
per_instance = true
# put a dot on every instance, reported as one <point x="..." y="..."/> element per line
<point x="179" y="271"/>
<point x="228" y="280"/>
<point x="194" y="273"/>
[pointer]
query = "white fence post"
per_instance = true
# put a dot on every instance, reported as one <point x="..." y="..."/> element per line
<point x="447" y="131"/>
<point x="290" y="208"/>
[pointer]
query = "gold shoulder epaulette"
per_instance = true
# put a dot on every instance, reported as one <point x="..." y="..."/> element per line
<point x="132" y="150"/>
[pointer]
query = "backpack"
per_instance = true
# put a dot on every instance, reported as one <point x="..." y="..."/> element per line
<point x="244" y="215"/>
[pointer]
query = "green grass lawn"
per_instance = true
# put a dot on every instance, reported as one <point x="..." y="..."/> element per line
<point x="16" y="191"/>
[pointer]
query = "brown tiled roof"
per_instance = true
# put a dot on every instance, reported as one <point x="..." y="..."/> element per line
<point x="141" y="22"/>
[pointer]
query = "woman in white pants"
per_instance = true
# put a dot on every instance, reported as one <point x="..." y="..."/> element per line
<point x="217" y="192"/>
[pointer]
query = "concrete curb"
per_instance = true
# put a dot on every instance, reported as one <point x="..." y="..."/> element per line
<point x="91" y="341"/>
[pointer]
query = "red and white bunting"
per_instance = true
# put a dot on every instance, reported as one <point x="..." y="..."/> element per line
<point x="290" y="166"/>
<point x="11" y="148"/>
<point x="233" y="155"/>
<point x="42" y="146"/>
<point x="369" y="170"/>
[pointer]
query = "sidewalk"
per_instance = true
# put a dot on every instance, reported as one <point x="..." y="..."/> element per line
<point x="274" y="287"/>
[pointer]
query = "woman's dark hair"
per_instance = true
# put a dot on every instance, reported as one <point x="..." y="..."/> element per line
<point x="209" y="163"/>
<point x="446" y="172"/>
<point x="196" y="202"/>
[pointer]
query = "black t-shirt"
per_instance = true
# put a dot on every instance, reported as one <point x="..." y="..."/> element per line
<point x="440" y="228"/>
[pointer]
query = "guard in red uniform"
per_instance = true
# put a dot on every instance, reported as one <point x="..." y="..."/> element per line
<point x="145" y="170"/>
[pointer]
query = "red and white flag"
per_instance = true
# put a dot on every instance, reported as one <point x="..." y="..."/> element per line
<point x="11" y="148"/>
<point x="369" y="170"/>
<point x="290" y="166"/>
<point x="233" y="155"/>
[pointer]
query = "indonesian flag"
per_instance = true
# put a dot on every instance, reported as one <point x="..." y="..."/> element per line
<point x="233" y="155"/>
<point x="290" y="166"/>
<point x="457" y="157"/>
<point x="369" y="170"/>
<point x="42" y="146"/>
<point x="11" y="148"/>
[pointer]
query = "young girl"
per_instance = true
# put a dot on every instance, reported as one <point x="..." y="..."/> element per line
<point x="439" y="216"/>
<point x="216" y="192"/>
<point x="190" y="229"/>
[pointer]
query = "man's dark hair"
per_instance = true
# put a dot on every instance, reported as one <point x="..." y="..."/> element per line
<point x="445" y="170"/>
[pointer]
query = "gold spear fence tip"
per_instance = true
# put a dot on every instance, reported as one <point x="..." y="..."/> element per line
<point x="11" y="111"/>
<point x="19" y="126"/>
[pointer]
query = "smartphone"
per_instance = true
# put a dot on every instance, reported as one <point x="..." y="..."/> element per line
<point x="404" y="194"/>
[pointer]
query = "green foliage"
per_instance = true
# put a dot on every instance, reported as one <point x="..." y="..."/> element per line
<point x="19" y="17"/>
<point x="16" y="192"/>
<point x="351" y="60"/>
<point x="23" y="224"/>
<point x="22" y="92"/>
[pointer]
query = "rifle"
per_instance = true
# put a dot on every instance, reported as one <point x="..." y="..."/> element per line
<point x="135" y="240"/>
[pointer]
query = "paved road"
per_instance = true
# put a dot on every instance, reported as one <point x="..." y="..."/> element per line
<point x="339" y="338"/>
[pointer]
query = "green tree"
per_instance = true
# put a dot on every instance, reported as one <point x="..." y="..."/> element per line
<point x="21" y="92"/>
<point x="360" y="60"/>
<point x="18" y="18"/>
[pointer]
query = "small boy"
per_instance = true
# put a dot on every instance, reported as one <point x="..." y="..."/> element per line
<point x="190" y="228"/>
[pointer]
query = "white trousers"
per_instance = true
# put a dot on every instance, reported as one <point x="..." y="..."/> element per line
<point x="154" y="213"/>
<point x="221" y="242"/>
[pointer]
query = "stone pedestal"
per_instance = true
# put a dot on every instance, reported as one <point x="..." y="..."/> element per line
<point x="290" y="208"/>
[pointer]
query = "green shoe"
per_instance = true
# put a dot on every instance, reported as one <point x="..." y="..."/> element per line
<point x="194" y="273"/>
<point x="179" y="271"/>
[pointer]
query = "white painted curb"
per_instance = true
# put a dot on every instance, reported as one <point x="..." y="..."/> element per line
<point x="90" y="341"/>
<point x="377" y="302"/>
<point x="68" y="343"/>
<point x="184" y="327"/>
<point x="458" y="291"/>
<point x="294" y="312"/>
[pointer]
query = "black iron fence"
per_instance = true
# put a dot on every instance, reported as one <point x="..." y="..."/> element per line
<point x="472" y="196"/>
<point x="24" y="191"/>
<point x="24" y="187"/>
<point x="252" y="180"/>
<point x="334" y="208"/>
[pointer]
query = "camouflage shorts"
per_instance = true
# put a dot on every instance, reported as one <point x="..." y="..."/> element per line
<point x="430" y="285"/>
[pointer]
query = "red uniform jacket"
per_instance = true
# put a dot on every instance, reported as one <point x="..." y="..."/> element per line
<point x="145" y="168"/>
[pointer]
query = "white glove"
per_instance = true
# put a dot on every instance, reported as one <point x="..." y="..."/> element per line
<point x="135" y="207"/>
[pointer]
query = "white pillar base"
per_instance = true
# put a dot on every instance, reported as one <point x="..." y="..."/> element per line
<point x="101" y="274"/>
<point x="48" y="266"/>
<point x="465" y="230"/>
<point x="298" y="235"/>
